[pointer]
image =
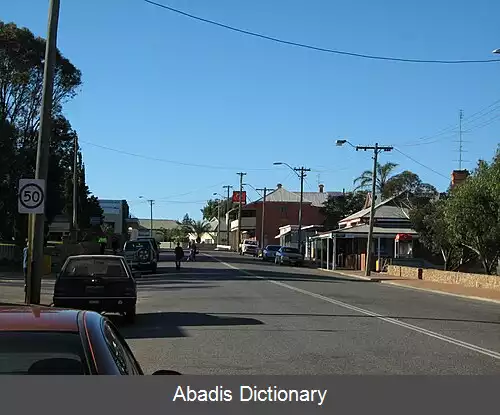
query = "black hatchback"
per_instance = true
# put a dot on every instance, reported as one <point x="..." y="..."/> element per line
<point x="97" y="282"/>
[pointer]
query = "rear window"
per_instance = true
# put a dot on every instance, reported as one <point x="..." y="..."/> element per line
<point x="290" y="250"/>
<point x="250" y="242"/>
<point x="136" y="245"/>
<point x="103" y="267"/>
<point x="41" y="353"/>
<point x="273" y="247"/>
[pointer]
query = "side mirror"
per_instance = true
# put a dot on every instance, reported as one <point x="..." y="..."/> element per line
<point x="166" y="372"/>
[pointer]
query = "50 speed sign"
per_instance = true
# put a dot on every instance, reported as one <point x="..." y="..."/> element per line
<point x="31" y="197"/>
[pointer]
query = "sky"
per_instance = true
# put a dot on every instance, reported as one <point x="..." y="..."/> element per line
<point x="172" y="108"/>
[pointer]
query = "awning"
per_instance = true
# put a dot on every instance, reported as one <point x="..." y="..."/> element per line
<point x="403" y="237"/>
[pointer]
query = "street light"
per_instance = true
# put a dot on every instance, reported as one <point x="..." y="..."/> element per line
<point x="302" y="175"/>
<point x="376" y="150"/>
<point x="497" y="51"/>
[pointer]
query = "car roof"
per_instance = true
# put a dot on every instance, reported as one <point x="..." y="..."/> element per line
<point x="37" y="318"/>
<point x="95" y="257"/>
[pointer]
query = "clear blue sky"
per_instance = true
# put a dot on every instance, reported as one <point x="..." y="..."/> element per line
<point x="167" y="87"/>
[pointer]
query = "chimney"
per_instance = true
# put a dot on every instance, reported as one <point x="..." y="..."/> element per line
<point x="458" y="177"/>
<point x="279" y="185"/>
<point x="321" y="188"/>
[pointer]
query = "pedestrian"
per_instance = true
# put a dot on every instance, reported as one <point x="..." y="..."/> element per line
<point x="25" y="266"/>
<point x="103" y="243"/>
<point x="179" y="254"/>
<point x="193" y="251"/>
<point x="114" y="245"/>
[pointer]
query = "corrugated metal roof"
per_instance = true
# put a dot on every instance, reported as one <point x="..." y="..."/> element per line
<point x="282" y="195"/>
<point x="158" y="223"/>
<point x="382" y="211"/>
<point x="364" y="229"/>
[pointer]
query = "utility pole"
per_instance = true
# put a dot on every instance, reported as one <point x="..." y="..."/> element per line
<point x="36" y="229"/>
<point x="460" y="149"/>
<point x="218" y="219"/>
<point x="302" y="176"/>
<point x="75" y="188"/>
<point x="228" y="208"/>
<point x="265" y="189"/>
<point x="151" y="218"/>
<point x="238" y="237"/>
<point x="376" y="150"/>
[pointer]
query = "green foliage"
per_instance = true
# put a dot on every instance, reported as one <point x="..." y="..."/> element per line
<point x="465" y="223"/>
<point x="409" y="182"/>
<point x="339" y="207"/>
<point x="384" y="171"/>
<point x="472" y="213"/>
<point x="211" y="209"/>
<point x="21" y="73"/>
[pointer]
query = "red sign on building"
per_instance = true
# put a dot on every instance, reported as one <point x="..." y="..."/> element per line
<point x="236" y="197"/>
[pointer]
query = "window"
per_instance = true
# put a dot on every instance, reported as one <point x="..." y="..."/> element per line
<point x="120" y="353"/>
<point x="136" y="245"/>
<point x="283" y="211"/>
<point x="85" y="267"/>
<point x="290" y="250"/>
<point x="41" y="353"/>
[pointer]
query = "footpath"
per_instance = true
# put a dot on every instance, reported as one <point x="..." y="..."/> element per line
<point x="482" y="294"/>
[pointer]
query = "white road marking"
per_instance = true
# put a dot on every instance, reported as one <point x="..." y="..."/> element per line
<point x="442" y="337"/>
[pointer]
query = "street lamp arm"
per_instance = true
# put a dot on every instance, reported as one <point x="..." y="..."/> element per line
<point x="279" y="163"/>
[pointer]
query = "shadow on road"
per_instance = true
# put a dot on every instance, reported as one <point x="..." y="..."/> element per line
<point x="363" y="316"/>
<point x="165" y="324"/>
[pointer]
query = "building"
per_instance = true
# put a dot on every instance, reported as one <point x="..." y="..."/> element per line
<point x="116" y="215"/>
<point x="159" y="226"/>
<point x="345" y="247"/>
<point x="281" y="209"/>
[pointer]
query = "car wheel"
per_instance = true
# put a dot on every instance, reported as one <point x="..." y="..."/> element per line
<point x="130" y="315"/>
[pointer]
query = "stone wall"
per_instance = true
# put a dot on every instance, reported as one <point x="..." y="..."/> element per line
<point x="447" y="277"/>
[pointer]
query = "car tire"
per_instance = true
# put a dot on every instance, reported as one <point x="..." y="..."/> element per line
<point x="130" y="315"/>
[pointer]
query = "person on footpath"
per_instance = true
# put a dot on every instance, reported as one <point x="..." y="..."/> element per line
<point x="179" y="255"/>
<point x="193" y="251"/>
<point x="25" y="266"/>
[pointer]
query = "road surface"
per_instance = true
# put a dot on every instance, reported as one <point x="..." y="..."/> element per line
<point x="227" y="314"/>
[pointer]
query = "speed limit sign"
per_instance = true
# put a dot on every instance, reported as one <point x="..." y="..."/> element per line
<point x="31" y="197"/>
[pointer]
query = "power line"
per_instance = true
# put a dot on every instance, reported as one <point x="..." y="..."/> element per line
<point x="451" y="130"/>
<point x="316" y="48"/>
<point x="168" y="161"/>
<point x="421" y="164"/>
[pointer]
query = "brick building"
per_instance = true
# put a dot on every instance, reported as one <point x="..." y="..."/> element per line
<point x="282" y="208"/>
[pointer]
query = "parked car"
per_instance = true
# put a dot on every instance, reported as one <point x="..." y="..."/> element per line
<point x="289" y="255"/>
<point x="250" y="247"/>
<point x="37" y="340"/>
<point x="141" y="255"/>
<point x="97" y="282"/>
<point x="155" y="244"/>
<point x="269" y="252"/>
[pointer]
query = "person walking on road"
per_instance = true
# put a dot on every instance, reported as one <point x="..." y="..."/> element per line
<point x="193" y="251"/>
<point x="179" y="254"/>
<point x="103" y="242"/>
<point x="114" y="245"/>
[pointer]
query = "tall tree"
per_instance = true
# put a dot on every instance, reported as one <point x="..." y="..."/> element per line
<point x="472" y="213"/>
<point x="430" y="222"/>
<point x="339" y="207"/>
<point x="210" y="210"/>
<point x="384" y="172"/>
<point x="410" y="183"/>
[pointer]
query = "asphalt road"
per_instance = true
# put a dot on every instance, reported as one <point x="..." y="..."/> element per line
<point x="227" y="314"/>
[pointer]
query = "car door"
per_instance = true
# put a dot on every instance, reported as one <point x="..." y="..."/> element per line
<point x="124" y="360"/>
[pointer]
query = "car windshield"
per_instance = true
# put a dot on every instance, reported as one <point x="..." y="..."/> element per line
<point x="272" y="247"/>
<point x="84" y="267"/>
<point x="41" y="353"/>
<point x="250" y="242"/>
<point x="290" y="250"/>
<point x="136" y="245"/>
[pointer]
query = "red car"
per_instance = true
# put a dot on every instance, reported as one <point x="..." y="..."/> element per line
<point x="38" y="340"/>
